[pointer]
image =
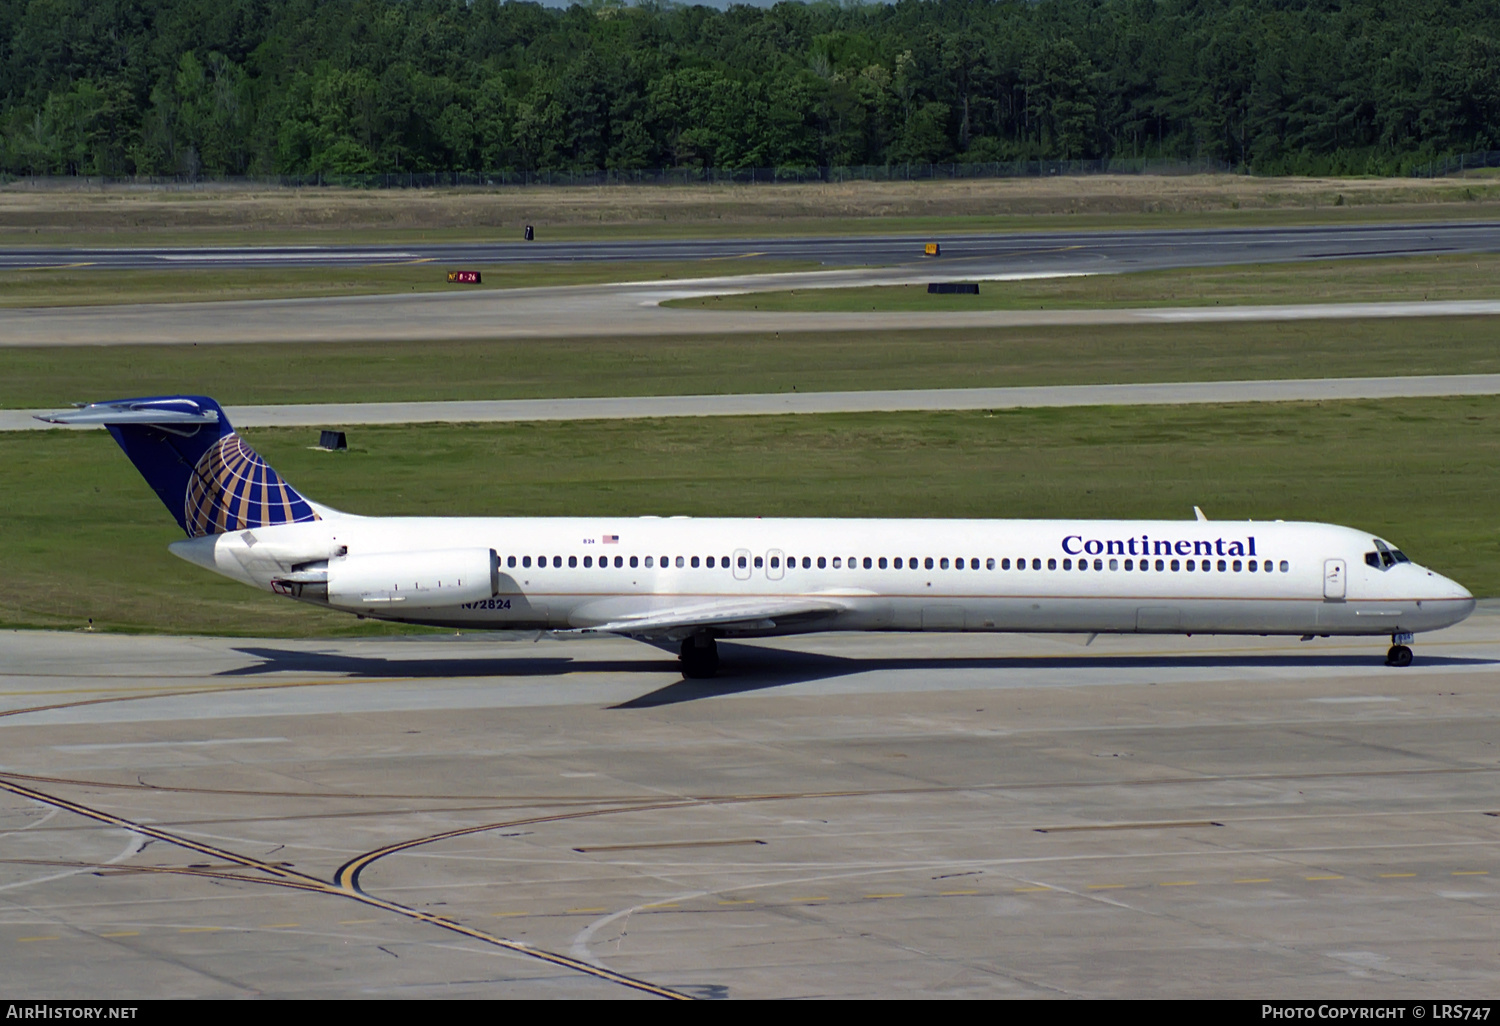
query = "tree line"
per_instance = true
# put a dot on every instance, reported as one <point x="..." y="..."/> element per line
<point x="233" y="87"/>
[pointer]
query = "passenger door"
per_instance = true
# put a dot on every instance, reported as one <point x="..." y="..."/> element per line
<point x="1333" y="579"/>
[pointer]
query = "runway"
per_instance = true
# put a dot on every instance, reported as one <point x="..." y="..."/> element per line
<point x="873" y="816"/>
<point x="780" y="403"/>
<point x="1053" y="250"/>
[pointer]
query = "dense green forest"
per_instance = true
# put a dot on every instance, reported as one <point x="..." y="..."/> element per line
<point x="162" y="87"/>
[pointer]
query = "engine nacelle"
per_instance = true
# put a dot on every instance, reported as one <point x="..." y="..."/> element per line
<point x="423" y="580"/>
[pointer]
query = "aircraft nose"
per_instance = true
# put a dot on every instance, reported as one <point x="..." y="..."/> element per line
<point x="1454" y="596"/>
<point x="1456" y="590"/>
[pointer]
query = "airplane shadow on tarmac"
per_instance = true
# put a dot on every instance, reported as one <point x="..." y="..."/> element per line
<point x="275" y="660"/>
<point x="745" y="668"/>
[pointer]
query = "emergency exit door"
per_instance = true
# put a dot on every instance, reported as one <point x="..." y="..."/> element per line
<point x="774" y="559"/>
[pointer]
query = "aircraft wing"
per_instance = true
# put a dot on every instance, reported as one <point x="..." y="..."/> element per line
<point x="759" y="614"/>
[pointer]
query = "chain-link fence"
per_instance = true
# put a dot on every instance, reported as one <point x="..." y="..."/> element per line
<point x="659" y="176"/>
<point x="1458" y="165"/>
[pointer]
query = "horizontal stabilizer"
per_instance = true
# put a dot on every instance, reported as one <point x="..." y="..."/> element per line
<point x="753" y="614"/>
<point x="133" y="411"/>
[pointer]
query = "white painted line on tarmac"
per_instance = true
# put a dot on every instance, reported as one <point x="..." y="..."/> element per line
<point x="240" y="256"/>
<point x="173" y="744"/>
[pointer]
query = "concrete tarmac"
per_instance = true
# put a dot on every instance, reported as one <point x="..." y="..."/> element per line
<point x="623" y="310"/>
<point x="840" y="815"/>
<point x="883" y="401"/>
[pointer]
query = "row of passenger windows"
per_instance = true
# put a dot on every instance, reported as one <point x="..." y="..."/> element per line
<point x="912" y="563"/>
<point x="1169" y="565"/>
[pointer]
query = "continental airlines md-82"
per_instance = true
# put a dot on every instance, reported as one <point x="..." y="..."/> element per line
<point x="688" y="581"/>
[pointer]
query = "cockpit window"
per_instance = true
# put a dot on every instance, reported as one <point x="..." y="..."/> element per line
<point x="1384" y="557"/>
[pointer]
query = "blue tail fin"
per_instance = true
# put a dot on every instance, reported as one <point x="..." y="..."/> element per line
<point x="204" y="473"/>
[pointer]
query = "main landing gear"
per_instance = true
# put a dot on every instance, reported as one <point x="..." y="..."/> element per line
<point x="700" y="657"/>
<point x="1400" y="653"/>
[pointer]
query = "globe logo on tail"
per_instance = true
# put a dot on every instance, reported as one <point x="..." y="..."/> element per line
<point x="232" y="489"/>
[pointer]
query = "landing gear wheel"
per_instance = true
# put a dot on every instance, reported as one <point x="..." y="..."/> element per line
<point x="700" y="657"/>
<point x="1399" y="655"/>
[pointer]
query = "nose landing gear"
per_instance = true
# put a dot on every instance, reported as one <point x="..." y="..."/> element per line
<point x="700" y="657"/>
<point x="1399" y="654"/>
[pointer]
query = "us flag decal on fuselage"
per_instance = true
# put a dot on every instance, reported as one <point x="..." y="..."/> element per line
<point x="611" y="539"/>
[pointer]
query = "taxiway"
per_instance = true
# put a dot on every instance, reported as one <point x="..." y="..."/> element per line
<point x="873" y="401"/>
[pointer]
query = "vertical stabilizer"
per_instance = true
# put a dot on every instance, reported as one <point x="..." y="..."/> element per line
<point x="204" y="473"/>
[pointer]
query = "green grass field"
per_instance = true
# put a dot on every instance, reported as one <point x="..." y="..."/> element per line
<point x="586" y="214"/>
<point x="245" y="374"/>
<point x="71" y="285"/>
<point x="81" y="535"/>
<point x="1475" y="276"/>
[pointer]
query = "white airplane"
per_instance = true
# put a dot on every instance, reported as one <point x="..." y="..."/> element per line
<point x="688" y="581"/>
